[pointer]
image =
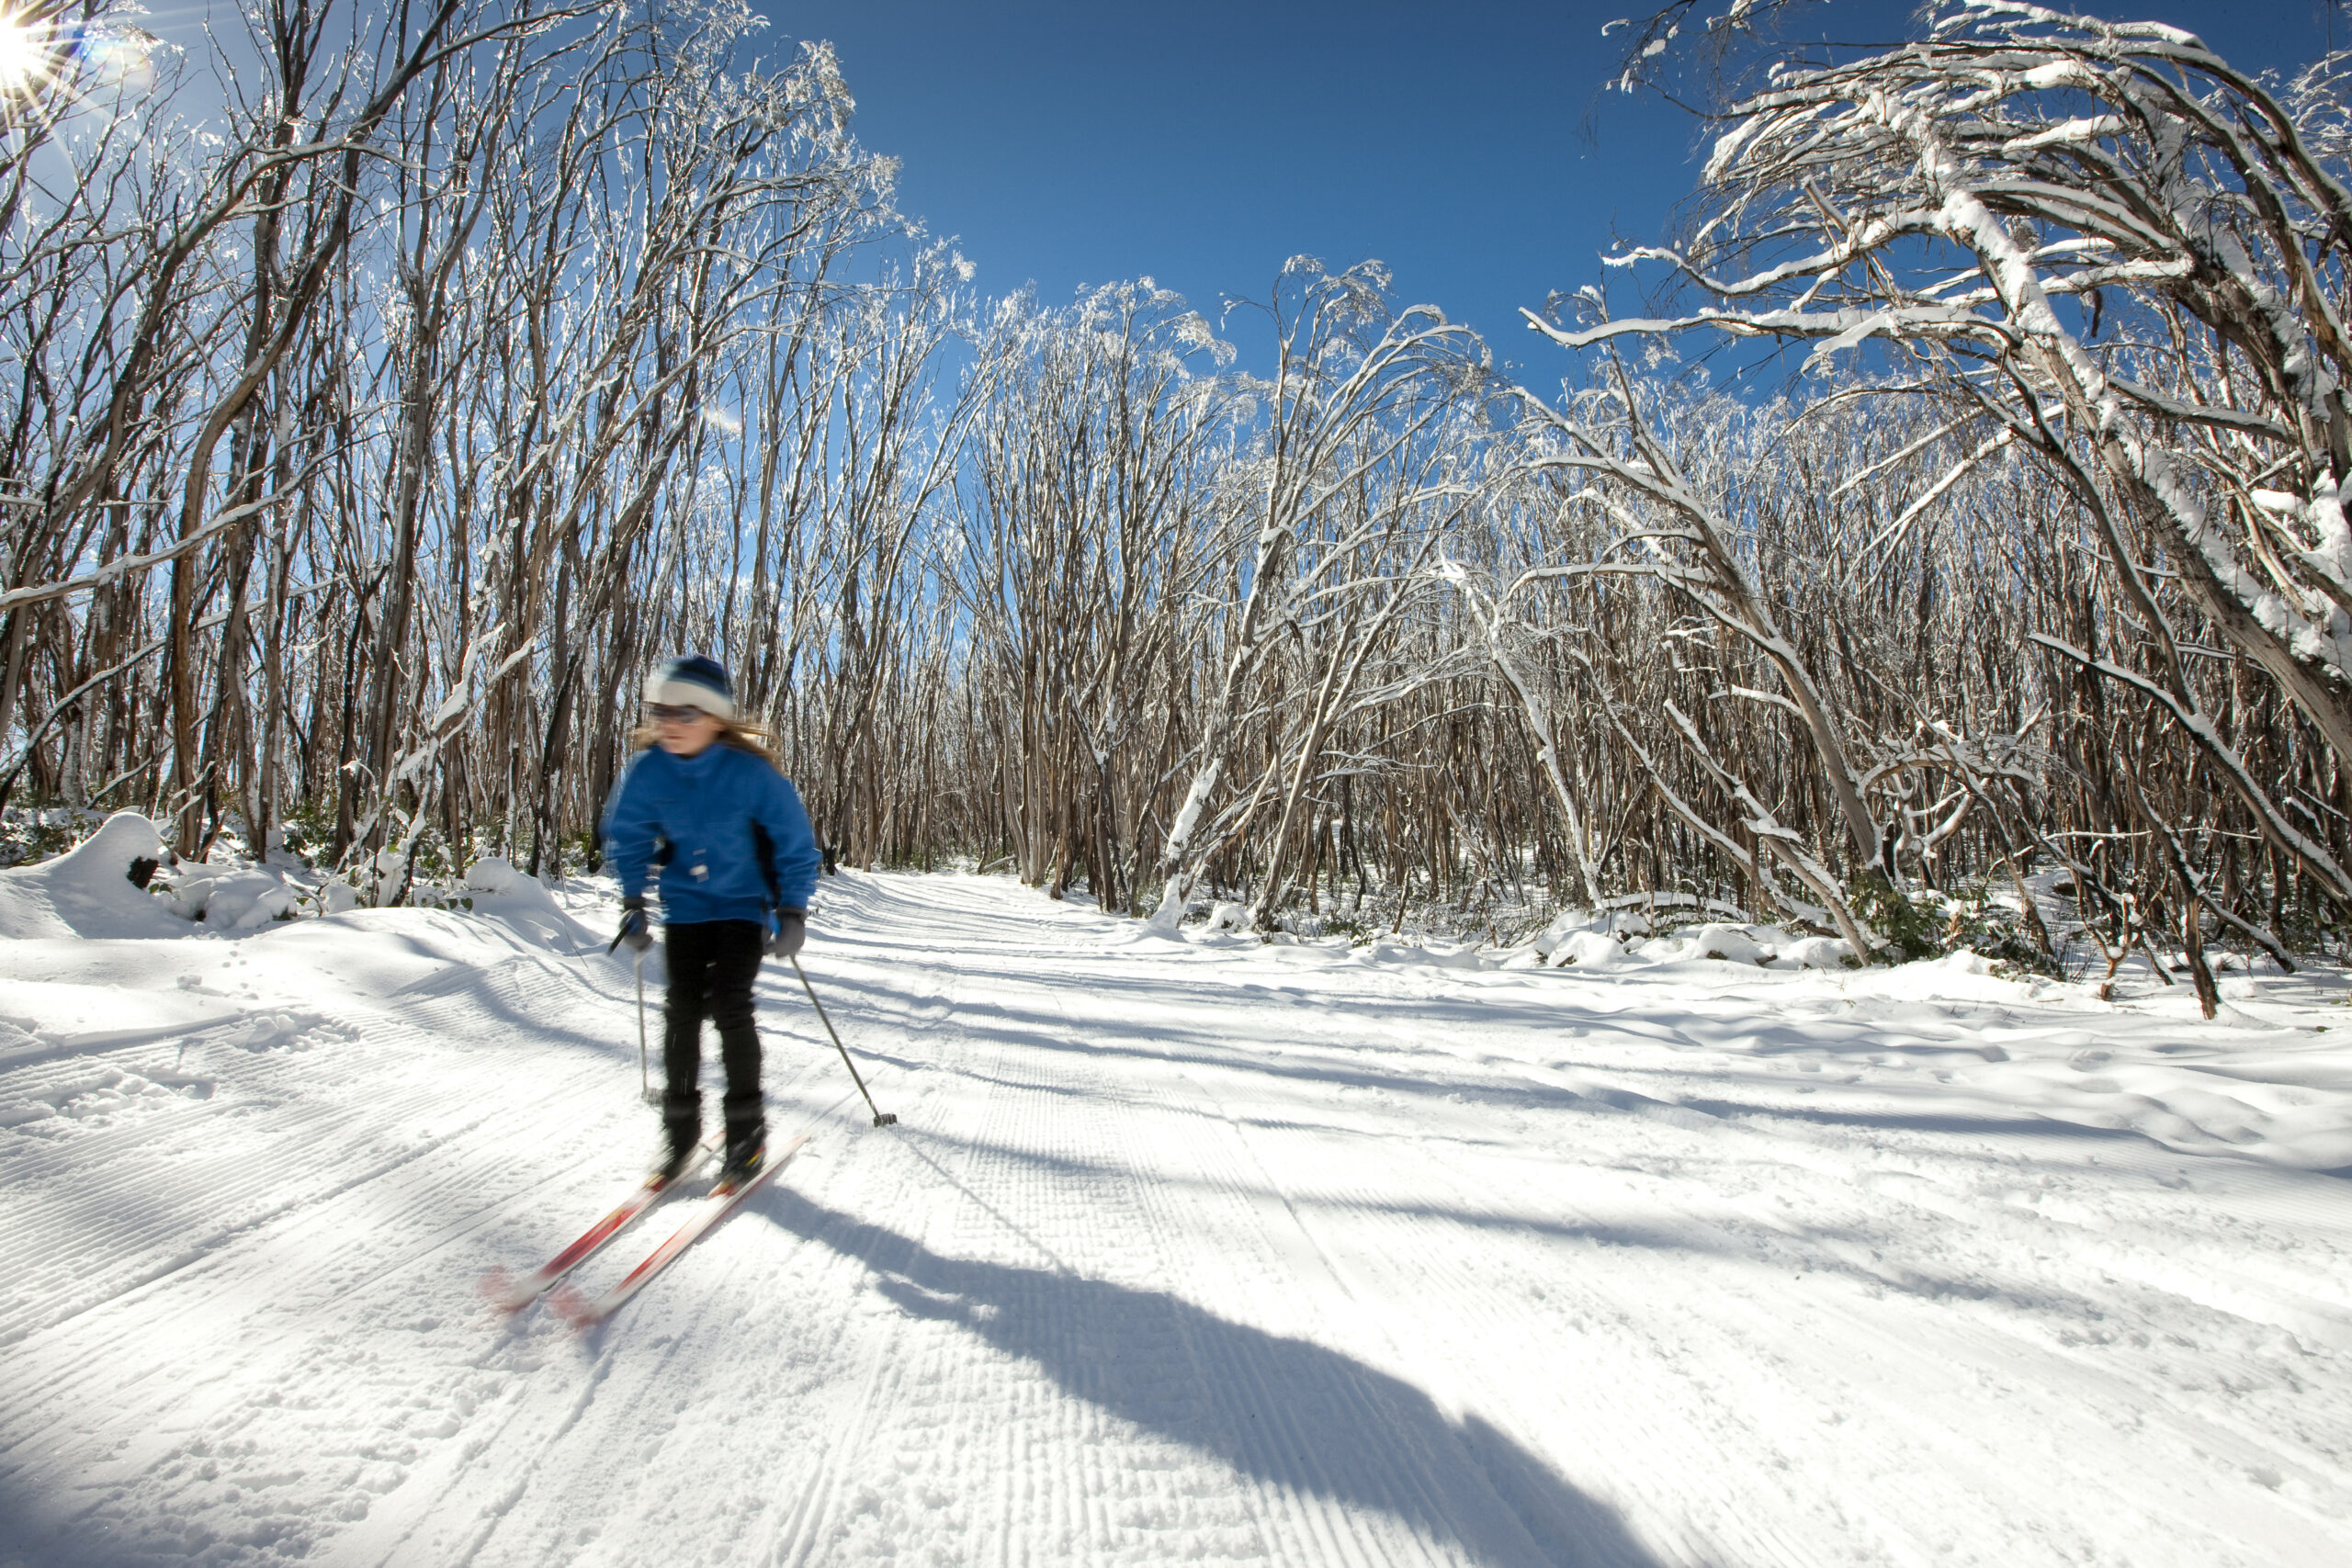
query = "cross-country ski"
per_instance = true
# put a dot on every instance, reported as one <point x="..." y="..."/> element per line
<point x="511" y="1294"/>
<point x="724" y="1199"/>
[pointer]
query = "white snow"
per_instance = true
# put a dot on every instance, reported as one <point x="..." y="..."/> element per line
<point x="87" y="892"/>
<point x="1593" y="950"/>
<point x="238" y="899"/>
<point x="1198" y="1249"/>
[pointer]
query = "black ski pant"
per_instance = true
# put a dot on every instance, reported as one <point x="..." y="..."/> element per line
<point x="712" y="964"/>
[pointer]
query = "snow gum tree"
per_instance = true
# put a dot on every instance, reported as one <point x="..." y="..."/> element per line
<point x="1353" y="387"/>
<point x="2098" y="242"/>
<point x="1088" y="555"/>
<point x="368" y="432"/>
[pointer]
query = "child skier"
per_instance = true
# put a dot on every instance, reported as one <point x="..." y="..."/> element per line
<point x="703" y="807"/>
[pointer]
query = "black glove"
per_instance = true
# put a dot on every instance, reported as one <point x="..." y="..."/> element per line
<point x="635" y="929"/>
<point x="791" y="932"/>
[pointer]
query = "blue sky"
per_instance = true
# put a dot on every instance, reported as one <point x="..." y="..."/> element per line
<point x="1202" y="141"/>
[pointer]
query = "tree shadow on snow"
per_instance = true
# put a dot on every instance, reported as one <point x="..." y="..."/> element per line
<point x="1290" y="1414"/>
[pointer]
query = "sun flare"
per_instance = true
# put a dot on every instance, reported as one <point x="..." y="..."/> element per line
<point x="24" y="53"/>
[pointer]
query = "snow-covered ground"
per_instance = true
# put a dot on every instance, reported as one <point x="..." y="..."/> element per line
<point x="1191" y="1250"/>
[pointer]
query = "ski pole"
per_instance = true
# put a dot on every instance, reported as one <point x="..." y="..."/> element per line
<point x="881" y="1118"/>
<point x="644" y="1075"/>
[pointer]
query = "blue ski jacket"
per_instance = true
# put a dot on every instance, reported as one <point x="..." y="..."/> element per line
<point x="724" y="833"/>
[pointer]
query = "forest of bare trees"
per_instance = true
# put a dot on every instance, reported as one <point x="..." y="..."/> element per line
<point x="1959" y="507"/>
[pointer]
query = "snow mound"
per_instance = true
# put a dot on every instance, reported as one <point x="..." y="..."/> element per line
<point x="1816" y="953"/>
<point x="238" y="900"/>
<point x="87" y="891"/>
<point x="1728" y="943"/>
<point x="494" y="874"/>
<point x="229" y="896"/>
<point x="1733" y="944"/>
<point x="2269" y="1107"/>
<point x="1589" y="949"/>
<point x="519" y="903"/>
<point x="1567" y="925"/>
<point x="1441" y="954"/>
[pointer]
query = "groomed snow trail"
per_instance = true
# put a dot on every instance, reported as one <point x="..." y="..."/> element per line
<point x="1183" y="1251"/>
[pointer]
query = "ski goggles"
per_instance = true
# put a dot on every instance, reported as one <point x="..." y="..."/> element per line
<point x="663" y="713"/>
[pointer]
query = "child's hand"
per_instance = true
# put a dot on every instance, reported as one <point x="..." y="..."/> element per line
<point x="791" y="933"/>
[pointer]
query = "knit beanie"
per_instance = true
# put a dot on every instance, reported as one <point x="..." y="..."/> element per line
<point x="691" y="680"/>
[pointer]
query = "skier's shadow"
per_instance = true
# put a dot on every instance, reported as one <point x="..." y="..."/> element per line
<point x="1291" y="1414"/>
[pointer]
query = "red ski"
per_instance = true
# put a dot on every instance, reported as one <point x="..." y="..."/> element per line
<point x="510" y="1294"/>
<point x="584" y="1313"/>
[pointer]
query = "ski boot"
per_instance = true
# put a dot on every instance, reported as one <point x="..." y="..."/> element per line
<point x="680" y="1134"/>
<point x="746" y="1149"/>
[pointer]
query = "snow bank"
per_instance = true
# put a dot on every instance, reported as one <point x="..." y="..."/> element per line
<point x="1229" y="917"/>
<point x="1815" y="952"/>
<point x="1794" y="1233"/>
<point x="519" y="902"/>
<point x="229" y="898"/>
<point x="87" y="891"/>
<point x="1567" y="923"/>
<point x="1733" y="944"/>
<point x="1589" y="949"/>
<point x="494" y="874"/>
<point x="1726" y="944"/>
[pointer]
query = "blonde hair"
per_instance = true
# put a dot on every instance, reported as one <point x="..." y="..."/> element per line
<point x="740" y="733"/>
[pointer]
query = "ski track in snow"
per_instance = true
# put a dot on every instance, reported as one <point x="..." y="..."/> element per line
<point x="1183" y="1251"/>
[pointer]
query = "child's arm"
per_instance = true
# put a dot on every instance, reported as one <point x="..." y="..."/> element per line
<point x="792" y="844"/>
<point x="632" y="830"/>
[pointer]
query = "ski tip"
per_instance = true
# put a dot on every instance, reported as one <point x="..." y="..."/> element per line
<point x="498" y="1288"/>
<point x="573" y="1308"/>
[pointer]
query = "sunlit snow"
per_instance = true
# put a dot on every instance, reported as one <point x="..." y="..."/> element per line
<point x="1185" y="1248"/>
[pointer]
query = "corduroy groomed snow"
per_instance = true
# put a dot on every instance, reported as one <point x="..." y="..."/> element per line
<point x="693" y="681"/>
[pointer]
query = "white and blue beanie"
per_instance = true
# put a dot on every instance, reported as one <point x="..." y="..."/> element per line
<point x="692" y="681"/>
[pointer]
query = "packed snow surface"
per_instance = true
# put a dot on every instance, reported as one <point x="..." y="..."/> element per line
<point x="1184" y="1249"/>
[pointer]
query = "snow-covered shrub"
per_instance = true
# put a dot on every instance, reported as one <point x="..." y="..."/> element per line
<point x="1977" y="923"/>
<point x="1928" y="924"/>
<point x="1588" y="950"/>
<point x="1566" y="924"/>
<point x="1818" y="953"/>
<point x="1908" y="927"/>
<point x="247" y="900"/>
<point x="223" y="895"/>
<point x="494" y="874"/>
<point x="91" y="890"/>
<point x="1733" y="944"/>
<point x="29" y="837"/>
<point x="184" y="892"/>
<point x="1442" y="955"/>
<point x="1230" y="916"/>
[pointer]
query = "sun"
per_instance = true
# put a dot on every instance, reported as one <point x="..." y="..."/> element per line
<point x="24" y="52"/>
